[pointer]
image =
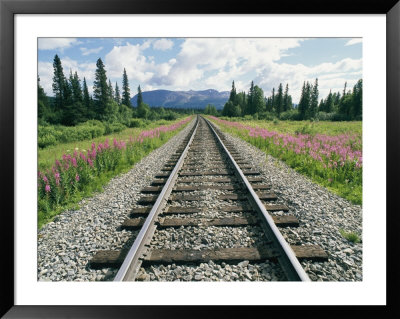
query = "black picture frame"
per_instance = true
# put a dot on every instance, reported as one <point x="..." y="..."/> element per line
<point x="8" y="8"/>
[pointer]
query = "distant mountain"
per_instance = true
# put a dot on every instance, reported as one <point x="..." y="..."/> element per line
<point x="184" y="99"/>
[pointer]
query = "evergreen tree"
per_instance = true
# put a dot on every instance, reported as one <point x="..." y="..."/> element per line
<point x="286" y="106"/>
<point x="273" y="99"/>
<point x="279" y="100"/>
<point x="87" y="101"/>
<point x="86" y="96"/>
<point x="126" y="92"/>
<point x="328" y="105"/>
<point x="117" y="97"/>
<point x="232" y="96"/>
<point x="75" y="83"/>
<point x="258" y="100"/>
<point x="321" y="106"/>
<point x="250" y="98"/>
<point x="241" y="101"/>
<point x="43" y="103"/>
<point x="313" y="108"/>
<point x="357" y="100"/>
<point x="342" y="108"/>
<point x="111" y="90"/>
<point x="139" y="97"/>
<point x="60" y="85"/>
<point x="101" y="92"/>
<point x="304" y="103"/>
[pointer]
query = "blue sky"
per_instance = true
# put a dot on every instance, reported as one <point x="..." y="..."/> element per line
<point x="204" y="63"/>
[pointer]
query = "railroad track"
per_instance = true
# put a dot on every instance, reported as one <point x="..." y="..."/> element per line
<point x="208" y="185"/>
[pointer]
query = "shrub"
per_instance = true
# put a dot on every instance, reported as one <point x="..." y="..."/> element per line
<point x="114" y="127"/>
<point x="136" y="123"/>
<point x="268" y="116"/>
<point x="350" y="236"/>
<point x="291" y="115"/>
<point x="323" y="116"/>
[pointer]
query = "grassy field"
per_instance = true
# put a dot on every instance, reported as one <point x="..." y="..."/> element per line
<point x="303" y="127"/>
<point x="72" y="171"/>
<point x="330" y="153"/>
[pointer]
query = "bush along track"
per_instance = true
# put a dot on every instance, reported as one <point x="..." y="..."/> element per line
<point x="331" y="161"/>
<point x="76" y="176"/>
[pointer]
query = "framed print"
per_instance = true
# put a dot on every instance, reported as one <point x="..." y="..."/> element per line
<point x="205" y="56"/>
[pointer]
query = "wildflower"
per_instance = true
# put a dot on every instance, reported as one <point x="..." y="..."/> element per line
<point x="47" y="188"/>
<point x="45" y="179"/>
<point x="74" y="162"/>
<point x="77" y="177"/>
<point x="57" y="177"/>
<point x="90" y="162"/>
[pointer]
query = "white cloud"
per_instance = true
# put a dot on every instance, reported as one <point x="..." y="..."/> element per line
<point x="330" y="76"/>
<point x="56" y="43"/>
<point x="353" y="41"/>
<point x="86" y="51"/>
<point x="163" y="44"/>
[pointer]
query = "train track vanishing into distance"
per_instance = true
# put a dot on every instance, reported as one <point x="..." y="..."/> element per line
<point x="208" y="174"/>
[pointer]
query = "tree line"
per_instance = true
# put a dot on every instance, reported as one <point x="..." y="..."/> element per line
<point x="336" y="106"/>
<point x="72" y="103"/>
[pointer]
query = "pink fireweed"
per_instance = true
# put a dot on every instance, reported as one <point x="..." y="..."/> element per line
<point x="77" y="177"/>
<point x="330" y="150"/>
<point x="47" y="188"/>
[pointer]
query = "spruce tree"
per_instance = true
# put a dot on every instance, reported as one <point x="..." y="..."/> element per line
<point x="59" y="85"/>
<point x="139" y="97"/>
<point x="304" y="101"/>
<point x="232" y="96"/>
<point x="126" y="92"/>
<point x="258" y="100"/>
<point x="87" y="101"/>
<point x="273" y="99"/>
<point x="75" y="83"/>
<point x="111" y="90"/>
<point x="357" y="101"/>
<point x="312" y="111"/>
<point x="279" y="100"/>
<point x="86" y="96"/>
<point x="117" y="97"/>
<point x="43" y="103"/>
<point x="328" y="104"/>
<point x="286" y="99"/>
<point x="101" y="91"/>
<point x="250" y="100"/>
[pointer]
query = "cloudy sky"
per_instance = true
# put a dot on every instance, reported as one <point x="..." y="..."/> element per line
<point x="208" y="63"/>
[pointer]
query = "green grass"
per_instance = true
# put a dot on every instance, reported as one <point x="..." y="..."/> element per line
<point x="305" y="127"/>
<point x="350" y="236"/>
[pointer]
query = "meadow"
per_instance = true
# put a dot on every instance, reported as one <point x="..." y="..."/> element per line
<point x="330" y="153"/>
<point x="69" y="172"/>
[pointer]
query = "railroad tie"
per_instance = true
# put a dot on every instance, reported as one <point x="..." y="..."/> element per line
<point x="280" y="221"/>
<point x="114" y="258"/>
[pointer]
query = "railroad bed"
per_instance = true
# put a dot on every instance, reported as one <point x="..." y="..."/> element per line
<point x="206" y="212"/>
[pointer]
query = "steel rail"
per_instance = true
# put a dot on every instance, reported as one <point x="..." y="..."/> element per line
<point x="287" y="258"/>
<point x="129" y="267"/>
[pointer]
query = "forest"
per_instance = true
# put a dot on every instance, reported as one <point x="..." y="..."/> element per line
<point x="345" y="106"/>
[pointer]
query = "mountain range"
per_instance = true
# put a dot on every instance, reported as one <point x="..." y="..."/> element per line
<point x="184" y="99"/>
